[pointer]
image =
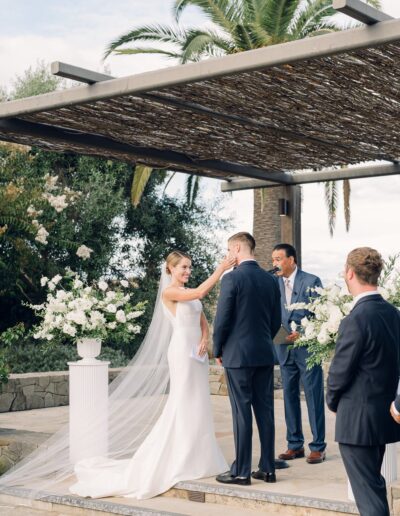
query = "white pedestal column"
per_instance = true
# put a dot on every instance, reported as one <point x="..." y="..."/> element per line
<point x="88" y="405"/>
<point x="388" y="471"/>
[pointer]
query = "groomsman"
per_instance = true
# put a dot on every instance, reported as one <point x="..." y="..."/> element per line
<point x="362" y="382"/>
<point x="296" y="287"/>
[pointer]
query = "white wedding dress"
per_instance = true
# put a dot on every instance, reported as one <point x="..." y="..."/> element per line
<point x="182" y="444"/>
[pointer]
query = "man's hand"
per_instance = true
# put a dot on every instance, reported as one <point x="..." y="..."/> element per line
<point x="293" y="336"/>
<point x="219" y="361"/>
<point x="395" y="416"/>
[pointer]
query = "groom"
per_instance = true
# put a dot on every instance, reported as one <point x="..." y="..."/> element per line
<point x="247" y="319"/>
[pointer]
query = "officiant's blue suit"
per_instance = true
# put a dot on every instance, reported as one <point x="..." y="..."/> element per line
<point x="247" y="319"/>
<point x="294" y="369"/>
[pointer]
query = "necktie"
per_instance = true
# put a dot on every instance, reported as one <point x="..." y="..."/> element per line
<point x="288" y="291"/>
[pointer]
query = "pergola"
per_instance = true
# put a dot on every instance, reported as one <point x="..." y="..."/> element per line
<point x="283" y="115"/>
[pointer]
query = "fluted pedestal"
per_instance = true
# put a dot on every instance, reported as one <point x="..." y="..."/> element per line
<point x="88" y="399"/>
<point x="388" y="471"/>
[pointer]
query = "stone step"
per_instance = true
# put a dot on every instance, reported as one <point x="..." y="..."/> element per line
<point x="187" y="498"/>
<point x="261" y="500"/>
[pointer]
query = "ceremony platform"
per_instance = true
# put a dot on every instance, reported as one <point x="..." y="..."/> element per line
<point x="301" y="490"/>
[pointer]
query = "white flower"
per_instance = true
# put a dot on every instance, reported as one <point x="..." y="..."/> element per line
<point x="133" y="329"/>
<point x="84" y="252"/>
<point x="293" y="326"/>
<point x="42" y="235"/>
<point x="112" y="325"/>
<point x="110" y="295"/>
<point x="43" y="281"/>
<point x="384" y="292"/>
<point x="59" y="307"/>
<point x="102" y="285"/>
<point x="124" y="283"/>
<point x="51" y="286"/>
<point x="323" y="335"/>
<point x="68" y="329"/>
<point x="77" y="284"/>
<point x="97" y="319"/>
<point x="58" y="202"/>
<point x="111" y="308"/>
<point x="77" y="316"/>
<point x="133" y="315"/>
<point x="51" y="182"/>
<point x="56" y="279"/>
<point x="120" y="316"/>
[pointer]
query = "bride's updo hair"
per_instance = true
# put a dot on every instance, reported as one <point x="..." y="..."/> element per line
<point x="174" y="258"/>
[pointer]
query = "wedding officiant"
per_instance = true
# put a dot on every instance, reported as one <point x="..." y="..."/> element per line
<point x="296" y="287"/>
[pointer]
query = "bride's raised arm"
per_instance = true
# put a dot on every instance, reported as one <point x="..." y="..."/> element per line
<point x="174" y="293"/>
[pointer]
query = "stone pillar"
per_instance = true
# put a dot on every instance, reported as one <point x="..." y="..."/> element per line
<point x="269" y="228"/>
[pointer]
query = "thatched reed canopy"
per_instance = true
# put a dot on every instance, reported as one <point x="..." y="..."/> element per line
<point x="326" y="101"/>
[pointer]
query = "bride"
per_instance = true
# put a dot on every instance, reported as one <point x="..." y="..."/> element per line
<point x="159" y="418"/>
<point x="182" y="443"/>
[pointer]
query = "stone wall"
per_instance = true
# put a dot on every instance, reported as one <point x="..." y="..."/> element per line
<point x="37" y="390"/>
<point x="42" y="390"/>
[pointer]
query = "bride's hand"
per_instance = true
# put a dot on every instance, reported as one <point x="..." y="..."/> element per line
<point x="227" y="263"/>
<point x="202" y="349"/>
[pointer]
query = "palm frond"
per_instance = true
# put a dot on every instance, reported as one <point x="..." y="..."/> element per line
<point x="201" y="42"/>
<point x="221" y="12"/>
<point x="140" y="180"/>
<point x="147" y="50"/>
<point x="346" y="202"/>
<point x="331" y="203"/>
<point x="278" y="16"/>
<point x="158" y="33"/>
<point x="311" y="17"/>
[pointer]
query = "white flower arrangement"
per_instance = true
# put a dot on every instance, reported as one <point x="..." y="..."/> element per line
<point x="319" y="331"/>
<point x="84" y="252"/>
<point x="75" y="310"/>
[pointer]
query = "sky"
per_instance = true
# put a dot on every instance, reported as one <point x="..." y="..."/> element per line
<point x="78" y="31"/>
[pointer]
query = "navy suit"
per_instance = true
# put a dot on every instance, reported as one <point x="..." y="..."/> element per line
<point x="294" y="368"/>
<point x="247" y="319"/>
<point x="362" y="383"/>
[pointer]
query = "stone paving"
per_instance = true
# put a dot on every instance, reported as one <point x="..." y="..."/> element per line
<point x="323" y="481"/>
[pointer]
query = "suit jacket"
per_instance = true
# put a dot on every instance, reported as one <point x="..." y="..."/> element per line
<point x="364" y="374"/>
<point x="303" y="282"/>
<point x="248" y="317"/>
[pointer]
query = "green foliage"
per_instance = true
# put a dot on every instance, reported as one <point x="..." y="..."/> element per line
<point x="161" y="224"/>
<point x="35" y="81"/>
<point x="92" y="219"/>
<point x="241" y="25"/>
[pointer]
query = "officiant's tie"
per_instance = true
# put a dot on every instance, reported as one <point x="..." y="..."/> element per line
<point x="288" y="290"/>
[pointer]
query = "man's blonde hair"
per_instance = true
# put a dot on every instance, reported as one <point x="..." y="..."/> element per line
<point x="366" y="263"/>
<point x="244" y="238"/>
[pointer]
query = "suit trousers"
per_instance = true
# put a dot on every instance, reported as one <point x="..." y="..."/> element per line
<point x="294" y="370"/>
<point x="252" y="387"/>
<point x="363" y="466"/>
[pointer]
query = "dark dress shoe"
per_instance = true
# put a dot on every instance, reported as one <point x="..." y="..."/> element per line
<point x="292" y="454"/>
<point x="267" y="477"/>
<point x="316" y="457"/>
<point x="281" y="464"/>
<point x="227" y="478"/>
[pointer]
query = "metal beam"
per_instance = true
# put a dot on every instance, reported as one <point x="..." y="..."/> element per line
<point x="302" y="178"/>
<point x="77" y="74"/>
<point x="171" y="159"/>
<point x="259" y="59"/>
<point x="360" y="11"/>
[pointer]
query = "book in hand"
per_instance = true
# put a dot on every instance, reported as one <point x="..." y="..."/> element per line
<point x="280" y="337"/>
<point x="194" y="354"/>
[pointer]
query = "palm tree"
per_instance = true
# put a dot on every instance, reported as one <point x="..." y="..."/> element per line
<point x="237" y="26"/>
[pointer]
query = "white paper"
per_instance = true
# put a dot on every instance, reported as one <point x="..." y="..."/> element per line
<point x="195" y="356"/>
